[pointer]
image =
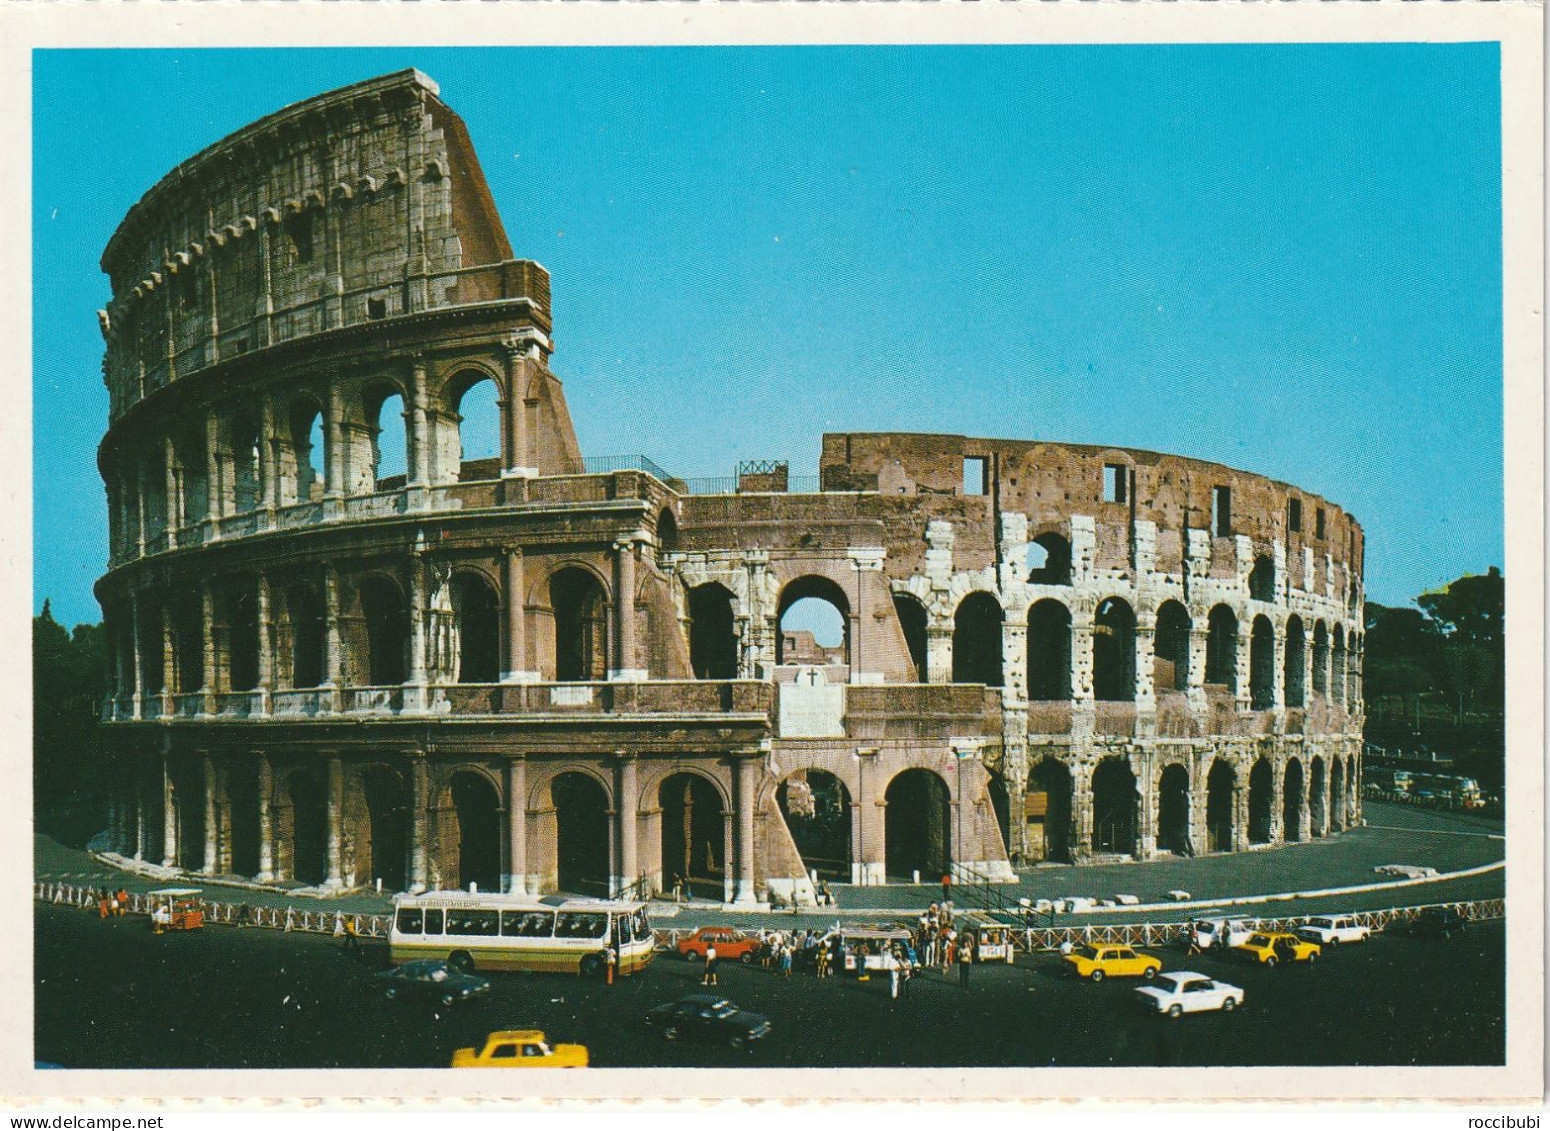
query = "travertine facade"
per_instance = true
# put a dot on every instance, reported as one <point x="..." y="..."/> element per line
<point x="542" y="673"/>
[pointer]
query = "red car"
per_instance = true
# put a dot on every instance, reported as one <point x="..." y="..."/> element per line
<point x="730" y="944"/>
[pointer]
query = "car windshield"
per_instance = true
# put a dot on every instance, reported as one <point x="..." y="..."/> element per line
<point x="1260" y="940"/>
<point x="1323" y="923"/>
<point x="1087" y="952"/>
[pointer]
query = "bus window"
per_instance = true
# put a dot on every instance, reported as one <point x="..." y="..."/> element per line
<point x="433" y="921"/>
<point x="582" y="925"/>
<point x="473" y="923"/>
<point x="626" y="928"/>
<point x="409" y="921"/>
<point x="530" y="924"/>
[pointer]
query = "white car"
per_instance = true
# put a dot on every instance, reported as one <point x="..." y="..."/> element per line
<point x="1180" y="991"/>
<point x="1332" y="930"/>
<point x="1221" y="933"/>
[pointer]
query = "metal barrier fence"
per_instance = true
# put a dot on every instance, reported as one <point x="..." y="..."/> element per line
<point x="1025" y="938"/>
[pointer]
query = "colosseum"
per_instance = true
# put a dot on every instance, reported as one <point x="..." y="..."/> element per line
<point x="348" y="651"/>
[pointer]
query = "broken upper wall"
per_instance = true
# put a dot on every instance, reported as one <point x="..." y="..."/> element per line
<point x="360" y="204"/>
<point x="1117" y="487"/>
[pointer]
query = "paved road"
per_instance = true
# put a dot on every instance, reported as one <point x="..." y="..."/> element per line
<point x="111" y="994"/>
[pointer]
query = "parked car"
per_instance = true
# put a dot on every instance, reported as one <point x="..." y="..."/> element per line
<point x="1183" y="991"/>
<point x="731" y="944"/>
<point x="1270" y="947"/>
<point x="709" y="1017"/>
<point x="1107" y="961"/>
<point x="1332" y="930"/>
<point x="432" y="979"/>
<point x="1437" y="923"/>
<point x="520" y="1048"/>
<point x="1223" y="934"/>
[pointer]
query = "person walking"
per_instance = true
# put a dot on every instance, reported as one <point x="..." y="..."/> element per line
<point x="891" y="964"/>
<point x="823" y="960"/>
<point x="709" y="977"/>
<point x="965" y="959"/>
<point x="947" y="887"/>
<point x="351" y="934"/>
<point x="122" y="903"/>
<point x="102" y="904"/>
<point x="785" y="962"/>
<point x="611" y="964"/>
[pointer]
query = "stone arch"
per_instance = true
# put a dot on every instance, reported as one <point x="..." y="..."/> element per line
<point x="1291" y="800"/>
<point x="1318" y="812"/>
<point x="917" y="826"/>
<point x="188" y="645"/>
<point x="305" y="618"/>
<point x="1222" y="648"/>
<point x="244" y="440"/>
<point x="385" y="614"/>
<point x="188" y="814"/>
<point x="1320" y="659"/>
<point x="816" y="806"/>
<point x="476" y="610"/>
<point x="1049" y="560"/>
<point x="470" y="829"/>
<point x="667" y="531"/>
<point x="1262" y="579"/>
<point x="307" y="474"/>
<point x="712" y="632"/>
<point x="194" y="475"/>
<point x="1221" y="806"/>
<point x="1173" y="816"/>
<point x="912" y="620"/>
<point x="238" y="610"/>
<point x="1048" y="801"/>
<point x="1116" y="824"/>
<point x="583" y="845"/>
<point x="240" y="786"/>
<point x="1262" y="664"/>
<point x="1114" y="651"/>
<point x="1170" y="665"/>
<point x="977" y="640"/>
<point x="1049" y="651"/>
<point x="580" y="605"/>
<point x="1261" y="802"/>
<point x="792" y="647"/>
<point x="693" y="833"/>
<point x="1295" y="663"/>
<point x="386" y="418"/>
<point x="382" y="838"/>
<point x="471" y="399"/>
<point x="299" y="816"/>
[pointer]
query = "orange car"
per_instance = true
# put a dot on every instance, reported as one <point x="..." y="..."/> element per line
<point x="730" y="944"/>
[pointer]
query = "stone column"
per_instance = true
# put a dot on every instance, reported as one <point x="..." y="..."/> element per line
<point x="1245" y="651"/>
<point x="516" y="619"/>
<point x="265" y="826"/>
<point x="265" y="645"/>
<point x="866" y="840"/>
<point x="209" y="681"/>
<point x="171" y="677"/>
<point x="419" y="429"/>
<point x="333" y="652"/>
<point x="513" y="406"/>
<point x="1145" y="658"/>
<point x="939" y="652"/>
<point x="624" y="621"/>
<point x="334" y="455"/>
<point x="169" y="818"/>
<point x="174" y="506"/>
<point x="211" y="861"/>
<point x="1199" y="638"/>
<point x="1304" y="812"/>
<point x="1277" y="802"/>
<point x="143" y="479"/>
<point x="627" y="806"/>
<point x="744" y="766"/>
<point x="414" y="695"/>
<point x="516" y="825"/>
<point x="1146" y="807"/>
<point x="138" y="694"/>
<point x="215" y="493"/>
<point x="418" y="864"/>
<point x="138" y="786"/>
<point x="1082" y="810"/>
<point x="1278" y="669"/>
<point x="335" y="801"/>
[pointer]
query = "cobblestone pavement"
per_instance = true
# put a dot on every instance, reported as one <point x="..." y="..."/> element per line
<point x="1394" y="834"/>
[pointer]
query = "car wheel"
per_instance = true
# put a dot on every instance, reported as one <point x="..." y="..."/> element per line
<point x="671" y="1032"/>
<point x="1333" y="943"/>
<point x="1313" y="956"/>
<point x="1096" y="976"/>
<point x="1149" y="973"/>
<point x="1175" y="1011"/>
<point x="461" y="961"/>
<point x="392" y="992"/>
<point x="447" y="999"/>
<point x="591" y="965"/>
<point x="1270" y="961"/>
<point x="746" y="958"/>
<point x="1229" y="1004"/>
<point x="693" y="956"/>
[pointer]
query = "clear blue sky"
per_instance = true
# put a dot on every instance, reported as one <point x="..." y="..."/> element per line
<point x="1285" y="258"/>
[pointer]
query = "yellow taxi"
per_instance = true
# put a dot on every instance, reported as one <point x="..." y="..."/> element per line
<point x="1098" y="961"/>
<point x="520" y="1048"/>
<point x="1271" y="947"/>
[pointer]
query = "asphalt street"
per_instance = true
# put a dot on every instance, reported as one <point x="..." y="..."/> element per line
<point x="112" y="995"/>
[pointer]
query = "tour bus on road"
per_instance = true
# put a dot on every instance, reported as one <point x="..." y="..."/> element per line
<point x="476" y="930"/>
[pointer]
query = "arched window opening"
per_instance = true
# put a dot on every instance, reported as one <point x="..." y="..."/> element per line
<point x="693" y="836"/>
<point x="1337" y="806"/>
<point x="816" y="807"/>
<point x="918" y="832"/>
<point x="1295" y="661"/>
<point x="1262" y="665"/>
<point x="1173" y="811"/>
<point x="195" y="480"/>
<point x="1337" y="692"/>
<point x="1114" y="808"/>
<point x="241" y="608"/>
<point x="1047" y="812"/>
<point x="1114" y="651"/>
<point x="1049" y="652"/>
<point x="389" y="444"/>
<point x="1049" y="560"/>
<point x="242" y="804"/>
<point x="712" y="632"/>
<point x="1291" y="801"/>
<point x="1318" y="813"/>
<point x="1221" y="802"/>
<point x="475" y="811"/>
<point x="477" y="414"/>
<point x="309" y="450"/>
<point x="246" y="476"/>
<point x="384" y="855"/>
<point x="912" y="620"/>
<point x="814" y="619"/>
<point x="977" y="640"/>
<point x="1320" y="659"/>
<point x="581" y="834"/>
<point x="1170" y="667"/>
<point x="1001" y="807"/>
<point x="580" y="626"/>
<point x="478" y="613"/>
<point x="1262" y="579"/>
<point x="1222" y="648"/>
<point x="188" y="643"/>
<point x="386" y="617"/>
<point x="153" y="671"/>
<point x="307" y="637"/>
<point x="304" y="818"/>
<point x="667" y="533"/>
<point x="188" y="808"/>
<point x="1261" y="802"/>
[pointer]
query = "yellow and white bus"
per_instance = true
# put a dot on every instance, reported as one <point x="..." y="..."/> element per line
<point x="479" y="931"/>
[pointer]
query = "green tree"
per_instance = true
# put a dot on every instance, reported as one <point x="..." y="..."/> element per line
<point x="1470" y="615"/>
<point x="69" y="677"/>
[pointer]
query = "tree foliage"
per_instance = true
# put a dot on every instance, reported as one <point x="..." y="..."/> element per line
<point x="69" y="677"/>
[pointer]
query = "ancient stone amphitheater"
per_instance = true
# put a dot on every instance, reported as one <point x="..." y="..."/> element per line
<point x="350" y="651"/>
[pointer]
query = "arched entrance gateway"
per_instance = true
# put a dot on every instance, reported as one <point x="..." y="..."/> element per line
<point x="1336" y="795"/>
<point x="1221" y="788"/>
<point x="301" y="829"/>
<point x="1048" y="812"/>
<point x="1291" y="801"/>
<point x="475" y="809"/>
<point x="382" y="853"/>
<point x="581" y="834"/>
<point x="1173" y="811"/>
<point x="188" y="816"/>
<point x="917" y="826"/>
<point x="693" y="836"/>
<point x="816" y="807"/>
<point x="1318" y="814"/>
<point x="712" y="640"/>
<point x="1261" y="802"/>
<point x="1114" y="807"/>
<point x="242" y="804"/>
<point x="580" y="626"/>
